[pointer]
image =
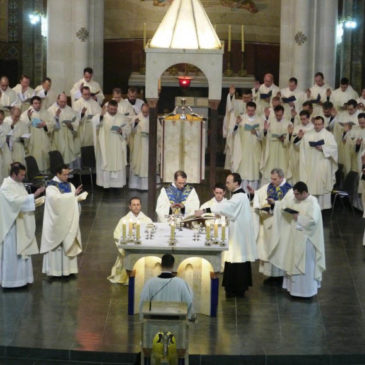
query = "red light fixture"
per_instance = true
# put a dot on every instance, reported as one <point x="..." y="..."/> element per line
<point x="184" y="81"/>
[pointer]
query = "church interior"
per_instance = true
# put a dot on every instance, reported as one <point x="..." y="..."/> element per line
<point x="86" y="319"/>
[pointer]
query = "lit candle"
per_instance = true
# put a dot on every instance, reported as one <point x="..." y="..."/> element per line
<point x="124" y="230"/>
<point x="144" y="35"/>
<point x="138" y="230"/>
<point x="216" y="229"/>
<point x="130" y="228"/>
<point x="223" y="231"/>
<point x="229" y="38"/>
<point x="172" y="227"/>
<point x="242" y="38"/>
<point x="207" y="229"/>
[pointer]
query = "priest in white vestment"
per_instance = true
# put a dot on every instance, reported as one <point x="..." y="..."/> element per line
<point x="133" y="101"/>
<point x="94" y="86"/>
<point x="339" y="97"/>
<point x="17" y="229"/>
<point x="276" y="144"/>
<point x="138" y="172"/>
<point x="330" y="116"/>
<point x="177" y="198"/>
<point x="296" y="133"/>
<point x="235" y="108"/>
<point x="87" y="108"/>
<point x="264" y="202"/>
<point x="318" y="162"/>
<point x="18" y="135"/>
<point x="348" y="116"/>
<point x="319" y="93"/>
<point x="8" y="97"/>
<point x="61" y="237"/>
<point x="5" y="154"/>
<point x="298" y="242"/>
<point x="247" y="148"/>
<point x="24" y="92"/>
<point x="167" y="288"/>
<point x="46" y="93"/>
<point x="118" y="273"/>
<point x="242" y="251"/>
<point x="219" y="192"/>
<point x="41" y="127"/>
<point x="264" y="94"/>
<point x="111" y="131"/>
<point x="361" y="101"/>
<point x="292" y="97"/>
<point x="124" y="107"/>
<point x="65" y="131"/>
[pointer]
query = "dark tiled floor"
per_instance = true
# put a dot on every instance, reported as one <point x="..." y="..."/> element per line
<point x="88" y="313"/>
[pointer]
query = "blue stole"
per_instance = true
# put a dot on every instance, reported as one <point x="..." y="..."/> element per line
<point x="278" y="193"/>
<point x="176" y="195"/>
<point x="62" y="187"/>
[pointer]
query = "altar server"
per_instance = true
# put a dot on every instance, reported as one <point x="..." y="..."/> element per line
<point x="118" y="273"/>
<point x="167" y="287"/>
<point x="17" y="229"/>
<point x="298" y="242"/>
<point x="87" y="80"/>
<point x="111" y="131"/>
<point x="237" y="277"/>
<point x="138" y="176"/>
<point x="178" y="197"/>
<point x="41" y="127"/>
<point x="318" y="162"/>
<point x="61" y="237"/>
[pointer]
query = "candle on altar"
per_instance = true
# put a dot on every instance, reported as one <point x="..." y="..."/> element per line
<point x="172" y="232"/>
<point x="144" y="35"/>
<point x="130" y="228"/>
<point x="207" y="230"/>
<point x="124" y="230"/>
<point x="229" y="38"/>
<point x="138" y="230"/>
<point x="216" y="229"/>
<point x="242" y="38"/>
<point x="223" y="231"/>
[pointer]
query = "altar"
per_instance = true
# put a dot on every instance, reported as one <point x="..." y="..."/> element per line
<point x="195" y="262"/>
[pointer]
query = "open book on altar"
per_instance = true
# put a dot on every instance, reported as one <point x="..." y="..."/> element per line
<point x="193" y="220"/>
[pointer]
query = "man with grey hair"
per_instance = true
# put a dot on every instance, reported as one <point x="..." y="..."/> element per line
<point x="264" y="201"/>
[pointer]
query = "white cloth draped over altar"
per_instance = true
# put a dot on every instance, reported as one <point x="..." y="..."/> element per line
<point x="183" y="147"/>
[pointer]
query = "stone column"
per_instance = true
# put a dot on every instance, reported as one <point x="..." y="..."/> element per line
<point x="152" y="158"/>
<point x="80" y="37"/>
<point x="213" y="121"/>
<point x="326" y="39"/>
<point x="301" y="68"/>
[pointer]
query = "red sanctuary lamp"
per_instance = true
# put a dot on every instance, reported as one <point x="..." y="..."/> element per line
<point x="184" y="81"/>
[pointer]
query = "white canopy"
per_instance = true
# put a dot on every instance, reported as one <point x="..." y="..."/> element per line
<point x="186" y="26"/>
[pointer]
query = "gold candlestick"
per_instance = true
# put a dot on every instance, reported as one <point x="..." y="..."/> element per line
<point x="228" y="72"/>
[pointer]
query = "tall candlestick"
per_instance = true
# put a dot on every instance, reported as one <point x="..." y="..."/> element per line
<point x="207" y="230"/>
<point x="172" y="232"/>
<point x="130" y="228"/>
<point x="138" y="231"/>
<point x="144" y="35"/>
<point x="242" y="38"/>
<point x="223" y="231"/>
<point x="229" y="38"/>
<point x="124" y="230"/>
<point x="216" y="229"/>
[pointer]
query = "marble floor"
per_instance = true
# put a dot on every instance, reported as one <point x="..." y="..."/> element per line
<point x="84" y="319"/>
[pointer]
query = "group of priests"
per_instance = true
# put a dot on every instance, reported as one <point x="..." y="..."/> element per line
<point x="308" y="134"/>
<point x="279" y="224"/>
<point x="36" y="121"/>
